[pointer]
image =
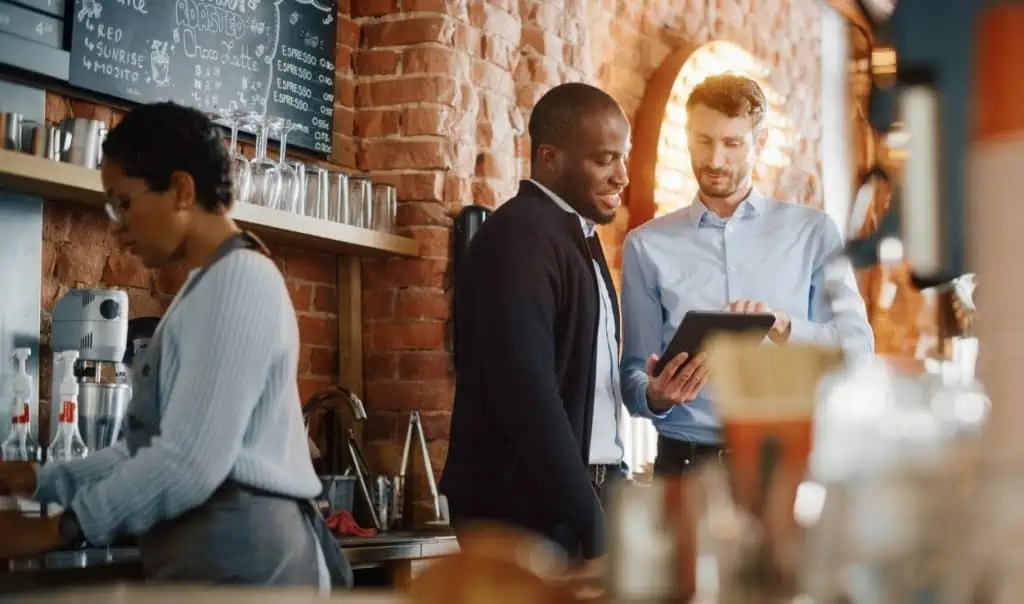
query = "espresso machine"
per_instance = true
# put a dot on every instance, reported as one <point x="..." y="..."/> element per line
<point x="94" y="322"/>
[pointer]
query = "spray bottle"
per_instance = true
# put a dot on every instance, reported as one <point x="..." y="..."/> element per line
<point x="20" y="444"/>
<point x="67" y="443"/>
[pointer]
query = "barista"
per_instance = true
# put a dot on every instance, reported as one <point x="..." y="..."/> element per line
<point x="213" y="477"/>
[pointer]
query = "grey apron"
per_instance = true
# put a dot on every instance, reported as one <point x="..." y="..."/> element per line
<point x="241" y="534"/>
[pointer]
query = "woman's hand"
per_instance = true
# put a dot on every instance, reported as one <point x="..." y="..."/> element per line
<point x="17" y="478"/>
<point x="28" y="536"/>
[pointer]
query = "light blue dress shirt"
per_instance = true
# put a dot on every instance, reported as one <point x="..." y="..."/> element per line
<point x="605" y="443"/>
<point x="769" y="251"/>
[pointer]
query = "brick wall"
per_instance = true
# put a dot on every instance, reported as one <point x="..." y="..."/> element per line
<point x="434" y="96"/>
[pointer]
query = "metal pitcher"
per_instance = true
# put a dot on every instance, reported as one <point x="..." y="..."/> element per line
<point x="87" y="138"/>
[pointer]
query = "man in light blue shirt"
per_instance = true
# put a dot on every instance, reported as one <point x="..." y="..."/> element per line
<point x="732" y="248"/>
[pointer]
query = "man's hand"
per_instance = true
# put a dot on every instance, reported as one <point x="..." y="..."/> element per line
<point x="28" y="536"/>
<point x="17" y="478"/>
<point x="679" y="381"/>
<point x="783" y="324"/>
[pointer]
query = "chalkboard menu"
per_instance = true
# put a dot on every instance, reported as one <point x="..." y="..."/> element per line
<point x="272" y="56"/>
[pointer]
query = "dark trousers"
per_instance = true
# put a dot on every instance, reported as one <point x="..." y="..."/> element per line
<point x="677" y="457"/>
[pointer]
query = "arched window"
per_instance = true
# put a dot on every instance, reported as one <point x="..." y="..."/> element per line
<point x="675" y="185"/>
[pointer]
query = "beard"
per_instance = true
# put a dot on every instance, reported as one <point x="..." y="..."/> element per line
<point x="719" y="183"/>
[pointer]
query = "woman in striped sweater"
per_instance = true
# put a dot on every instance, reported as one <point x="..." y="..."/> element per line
<point x="213" y="476"/>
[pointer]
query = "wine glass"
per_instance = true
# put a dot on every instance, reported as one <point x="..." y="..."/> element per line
<point x="288" y="199"/>
<point x="241" y="173"/>
<point x="266" y="177"/>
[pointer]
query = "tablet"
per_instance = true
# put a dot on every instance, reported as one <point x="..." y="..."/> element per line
<point x="698" y="325"/>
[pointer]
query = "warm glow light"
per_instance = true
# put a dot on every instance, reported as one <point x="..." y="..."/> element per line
<point x="674" y="181"/>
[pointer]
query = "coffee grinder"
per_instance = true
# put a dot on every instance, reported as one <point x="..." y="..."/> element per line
<point x="95" y="323"/>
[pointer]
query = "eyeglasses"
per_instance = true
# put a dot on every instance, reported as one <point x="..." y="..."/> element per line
<point x="116" y="208"/>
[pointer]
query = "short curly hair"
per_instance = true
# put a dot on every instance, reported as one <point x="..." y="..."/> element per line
<point x="154" y="141"/>
<point x="731" y="94"/>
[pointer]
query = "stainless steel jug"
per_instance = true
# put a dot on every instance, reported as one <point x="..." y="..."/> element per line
<point x="87" y="138"/>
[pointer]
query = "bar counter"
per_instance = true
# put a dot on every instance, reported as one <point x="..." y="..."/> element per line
<point x="395" y="552"/>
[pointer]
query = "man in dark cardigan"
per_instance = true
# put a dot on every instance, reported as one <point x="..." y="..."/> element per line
<point x="537" y="321"/>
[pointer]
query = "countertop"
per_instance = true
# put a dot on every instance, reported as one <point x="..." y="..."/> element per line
<point x="131" y="594"/>
<point x="360" y="551"/>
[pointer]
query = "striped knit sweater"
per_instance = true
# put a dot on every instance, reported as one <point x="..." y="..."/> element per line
<point x="228" y="407"/>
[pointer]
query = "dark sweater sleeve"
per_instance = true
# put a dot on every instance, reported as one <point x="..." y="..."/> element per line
<point x="515" y="318"/>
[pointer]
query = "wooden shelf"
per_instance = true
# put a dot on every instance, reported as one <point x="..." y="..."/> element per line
<point x="48" y="179"/>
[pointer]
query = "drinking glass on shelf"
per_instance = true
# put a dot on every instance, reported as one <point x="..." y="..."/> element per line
<point x="266" y="177"/>
<point x="300" y="173"/>
<point x="385" y="206"/>
<point x="241" y="173"/>
<point x="339" y="209"/>
<point x="318" y="181"/>
<point x="291" y="186"/>
<point x="360" y="199"/>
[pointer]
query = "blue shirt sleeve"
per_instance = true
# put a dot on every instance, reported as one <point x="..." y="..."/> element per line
<point x="837" y="313"/>
<point x="641" y="328"/>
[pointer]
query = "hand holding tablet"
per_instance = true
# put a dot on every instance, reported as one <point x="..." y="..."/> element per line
<point x="680" y="372"/>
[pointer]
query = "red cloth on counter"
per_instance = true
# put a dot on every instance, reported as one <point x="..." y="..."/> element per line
<point x="344" y="525"/>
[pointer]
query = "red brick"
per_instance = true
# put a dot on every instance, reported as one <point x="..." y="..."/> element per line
<point x="490" y="76"/>
<point x="411" y="89"/>
<point x="434" y="241"/>
<point x="309" y="386"/>
<point x="436" y="426"/>
<point x="323" y="361"/>
<point x="427" y="119"/>
<point x="348" y="33"/>
<point x="372" y="124"/>
<point x="488" y="193"/>
<point x="425" y="365"/>
<point x="403" y="32"/>
<point x="380" y="366"/>
<point x="124" y="269"/>
<point x="305" y="361"/>
<point x="544" y="15"/>
<point x="544" y="71"/>
<point x="80" y="263"/>
<point x="486" y="17"/>
<point x="312" y="266"/>
<point x="499" y="51"/>
<point x="543" y="42"/>
<point x="345" y="91"/>
<point x="143" y="303"/>
<point x="372" y="8"/>
<point x="422" y="272"/>
<point x="388" y="154"/>
<point x="423" y="213"/>
<point x="344" y="121"/>
<point x="343" y="63"/>
<point x="435" y="395"/>
<point x="467" y="39"/>
<point x="458" y="190"/>
<point x="326" y="299"/>
<point x="318" y="331"/>
<point x="432" y="59"/>
<point x="496" y="166"/>
<point x="343" y="150"/>
<point x="416" y="303"/>
<point x="378" y="303"/>
<point x="377" y="62"/>
<point x="408" y="336"/>
<point x="426" y="6"/>
<point x="302" y="295"/>
<point x="381" y="426"/>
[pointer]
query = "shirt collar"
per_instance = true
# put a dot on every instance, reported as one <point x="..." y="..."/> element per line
<point x="753" y="205"/>
<point x="589" y="228"/>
